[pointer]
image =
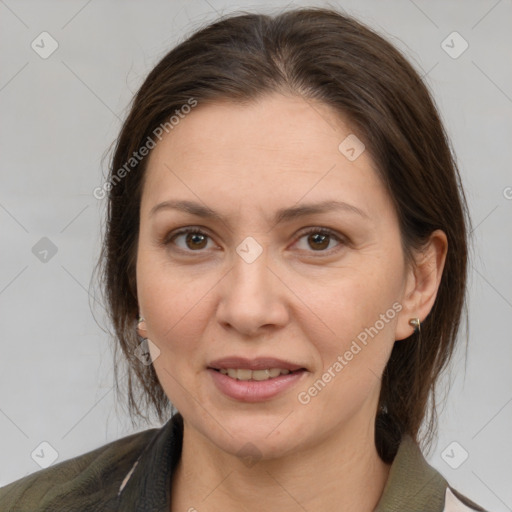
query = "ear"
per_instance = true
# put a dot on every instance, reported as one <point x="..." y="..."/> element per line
<point x="141" y="327"/>
<point x="422" y="282"/>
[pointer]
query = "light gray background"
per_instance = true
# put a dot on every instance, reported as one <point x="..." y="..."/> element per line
<point x="60" y="114"/>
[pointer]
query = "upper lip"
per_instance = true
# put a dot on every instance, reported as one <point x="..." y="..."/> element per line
<point x="260" y="363"/>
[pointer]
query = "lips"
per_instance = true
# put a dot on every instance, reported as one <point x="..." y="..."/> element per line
<point x="261" y="363"/>
<point x="255" y="390"/>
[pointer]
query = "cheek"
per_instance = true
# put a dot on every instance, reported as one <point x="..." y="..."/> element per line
<point x="359" y="311"/>
<point x="174" y="302"/>
<point x="363" y="319"/>
<point x="356" y="301"/>
<point x="175" y="308"/>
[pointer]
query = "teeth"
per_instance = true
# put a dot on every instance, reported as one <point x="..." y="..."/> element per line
<point x="246" y="374"/>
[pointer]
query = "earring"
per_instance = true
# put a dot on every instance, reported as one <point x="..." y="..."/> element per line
<point x="416" y="324"/>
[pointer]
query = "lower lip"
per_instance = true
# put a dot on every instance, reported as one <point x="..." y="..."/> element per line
<point x="254" y="390"/>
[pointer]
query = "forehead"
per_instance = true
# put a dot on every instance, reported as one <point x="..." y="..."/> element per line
<point x="287" y="127"/>
<point x="276" y="149"/>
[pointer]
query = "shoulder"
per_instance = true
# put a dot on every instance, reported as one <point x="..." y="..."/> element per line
<point x="81" y="483"/>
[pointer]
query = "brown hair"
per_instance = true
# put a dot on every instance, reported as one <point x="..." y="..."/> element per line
<point x="328" y="57"/>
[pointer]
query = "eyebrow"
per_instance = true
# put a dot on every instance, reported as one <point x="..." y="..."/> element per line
<point x="282" y="215"/>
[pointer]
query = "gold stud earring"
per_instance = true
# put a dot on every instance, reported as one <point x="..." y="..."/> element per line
<point x="416" y="324"/>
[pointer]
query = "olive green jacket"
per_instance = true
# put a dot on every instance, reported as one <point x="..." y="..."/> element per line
<point x="132" y="474"/>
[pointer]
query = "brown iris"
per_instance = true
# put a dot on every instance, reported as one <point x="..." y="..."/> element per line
<point x="319" y="241"/>
<point x="197" y="240"/>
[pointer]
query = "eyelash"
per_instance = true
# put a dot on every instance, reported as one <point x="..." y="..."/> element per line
<point x="322" y="231"/>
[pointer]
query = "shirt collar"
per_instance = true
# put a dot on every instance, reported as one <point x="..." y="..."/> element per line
<point x="412" y="484"/>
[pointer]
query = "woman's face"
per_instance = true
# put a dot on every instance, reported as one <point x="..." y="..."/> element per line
<point x="276" y="270"/>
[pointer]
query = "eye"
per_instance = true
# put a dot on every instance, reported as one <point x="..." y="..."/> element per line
<point x="319" y="239"/>
<point x="193" y="239"/>
<point x="314" y="239"/>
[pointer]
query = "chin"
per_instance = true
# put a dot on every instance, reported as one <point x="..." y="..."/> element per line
<point x="258" y="435"/>
<point x="252" y="450"/>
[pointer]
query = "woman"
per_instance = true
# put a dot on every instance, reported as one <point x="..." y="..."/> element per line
<point x="285" y="262"/>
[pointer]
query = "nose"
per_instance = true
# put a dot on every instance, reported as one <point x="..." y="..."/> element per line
<point x="253" y="298"/>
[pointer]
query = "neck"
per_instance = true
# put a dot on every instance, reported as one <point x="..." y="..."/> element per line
<point x="341" y="472"/>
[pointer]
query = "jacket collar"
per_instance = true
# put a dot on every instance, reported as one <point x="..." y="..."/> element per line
<point x="147" y="488"/>
<point x="412" y="485"/>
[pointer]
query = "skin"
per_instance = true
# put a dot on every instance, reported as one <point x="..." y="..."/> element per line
<point x="296" y="302"/>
